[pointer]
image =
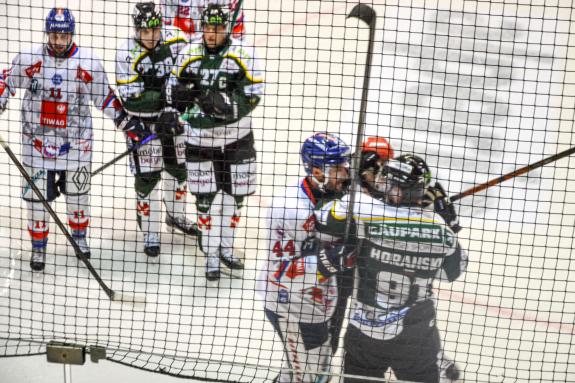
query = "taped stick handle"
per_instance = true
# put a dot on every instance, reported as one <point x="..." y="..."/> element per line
<point x="513" y="174"/>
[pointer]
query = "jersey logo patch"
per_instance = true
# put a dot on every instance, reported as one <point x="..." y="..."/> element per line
<point x="31" y="71"/>
<point x="57" y="79"/>
<point x="54" y="114"/>
<point x="83" y="75"/>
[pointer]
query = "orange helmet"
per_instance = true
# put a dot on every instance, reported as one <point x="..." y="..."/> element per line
<point x="380" y="146"/>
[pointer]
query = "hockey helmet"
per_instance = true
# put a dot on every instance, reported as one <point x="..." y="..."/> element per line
<point x="322" y="150"/>
<point x="60" y="20"/>
<point x="406" y="179"/>
<point x="215" y="14"/>
<point x="147" y="16"/>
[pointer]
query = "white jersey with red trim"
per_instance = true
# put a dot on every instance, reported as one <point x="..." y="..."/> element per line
<point x="294" y="288"/>
<point x="56" y="117"/>
<point x="187" y="15"/>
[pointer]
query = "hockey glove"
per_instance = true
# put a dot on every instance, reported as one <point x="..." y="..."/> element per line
<point x="217" y="104"/>
<point x="132" y="126"/>
<point x="180" y="96"/>
<point x="168" y="124"/>
<point x="335" y="257"/>
<point x="443" y="206"/>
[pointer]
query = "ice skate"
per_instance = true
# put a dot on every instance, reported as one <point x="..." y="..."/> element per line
<point x="152" y="245"/>
<point x="180" y="225"/>
<point x="212" y="268"/>
<point x="230" y="260"/>
<point x="83" y="245"/>
<point x="38" y="258"/>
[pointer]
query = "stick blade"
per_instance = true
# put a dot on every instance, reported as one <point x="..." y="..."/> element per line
<point x="363" y="12"/>
<point x="134" y="299"/>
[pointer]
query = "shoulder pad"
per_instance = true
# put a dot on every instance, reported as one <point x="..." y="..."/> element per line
<point x="172" y="35"/>
<point x="240" y="49"/>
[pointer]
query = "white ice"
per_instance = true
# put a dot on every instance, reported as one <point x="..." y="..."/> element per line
<point x="478" y="88"/>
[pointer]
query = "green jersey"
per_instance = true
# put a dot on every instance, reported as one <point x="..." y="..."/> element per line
<point x="141" y="73"/>
<point x="234" y="74"/>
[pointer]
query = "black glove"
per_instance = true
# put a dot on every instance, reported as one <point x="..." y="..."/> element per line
<point x="132" y="126"/>
<point x="335" y="257"/>
<point x="168" y="124"/>
<point x="180" y="96"/>
<point x="217" y="104"/>
<point x="443" y="206"/>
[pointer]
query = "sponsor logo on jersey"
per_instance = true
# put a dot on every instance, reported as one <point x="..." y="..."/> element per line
<point x="32" y="70"/>
<point x="406" y="261"/>
<point x="57" y="79"/>
<point x="54" y="114"/>
<point x="367" y="318"/>
<point x="407" y="232"/>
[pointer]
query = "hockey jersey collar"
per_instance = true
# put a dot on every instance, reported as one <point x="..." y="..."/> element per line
<point x="312" y="193"/>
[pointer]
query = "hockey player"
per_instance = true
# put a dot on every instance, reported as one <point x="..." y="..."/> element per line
<point x="143" y="65"/>
<point x="404" y="249"/>
<point x="187" y="14"/>
<point x="217" y="84"/>
<point x="299" y="299"/>
<point x="60" y="80"/>
<point x="375" y="152"/>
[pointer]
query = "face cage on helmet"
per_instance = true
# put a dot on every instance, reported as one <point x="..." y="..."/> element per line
<point x="412" y="193"/>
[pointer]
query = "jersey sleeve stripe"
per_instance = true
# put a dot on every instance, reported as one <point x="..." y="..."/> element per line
<point x="239" y="61"/>
<point x="128" y="81"/>
<point x="188" y="62"/>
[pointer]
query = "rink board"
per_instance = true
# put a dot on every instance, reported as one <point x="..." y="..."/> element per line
<point x="467" y="90"/>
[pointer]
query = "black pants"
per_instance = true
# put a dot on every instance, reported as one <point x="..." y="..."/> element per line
<point x="413" y="354"/>
<point x="241" y="151"/>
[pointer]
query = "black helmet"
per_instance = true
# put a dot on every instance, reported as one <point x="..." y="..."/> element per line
<point x="411" y="175"/>
<point x="214" y="14"/>
<point x="146" y="16"/>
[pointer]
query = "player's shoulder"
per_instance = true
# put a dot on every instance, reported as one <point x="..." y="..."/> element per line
<point x="129" y="50"/>
<point x="239" y="48"/>
<point x="291" y="201"/>
<point x="193" y="48"/>
<point x="30" y="54"/>
<point x="86" y="56"/>
<point x="172" y="35"/>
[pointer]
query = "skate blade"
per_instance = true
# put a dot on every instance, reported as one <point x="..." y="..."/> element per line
<point x="236" y="273"/>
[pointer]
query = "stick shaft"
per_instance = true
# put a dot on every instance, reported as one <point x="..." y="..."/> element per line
<point x="118" y="158"/>
<point x="358" y="11"/>
<point x="513" y="174"/>
<point x="53" y="214"/>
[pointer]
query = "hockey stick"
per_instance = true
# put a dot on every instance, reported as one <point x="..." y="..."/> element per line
<point x="113" y="295"/>
<point x="513" y="174"/>
<point x="131" y="150"/>
<point x="366" y="14"/>
<point x="237" y="11"/>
